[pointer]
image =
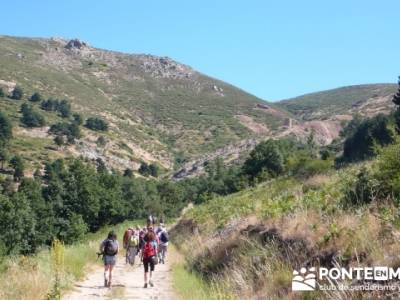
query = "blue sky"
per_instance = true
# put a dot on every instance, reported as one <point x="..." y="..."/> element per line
<point x="273" y="49"/>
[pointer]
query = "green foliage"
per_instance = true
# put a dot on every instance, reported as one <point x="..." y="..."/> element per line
<point x="96" y="124"/>
<point x="71" y="130"/>
<point x="77" y="119"/>
<point x="59" y="140"/>
<point x="63" y="107"/>
<point x="5" y="129"/>
<point x="128" y="173"/>
<point x="4" y="156"/>
<point x="361" y="143"/>
<point x="360" y="191"/>
<point x="387" y="172"/>
<point x="16" y="224"/>
<point x="17" y="93"/>
<point x="18" y="165"/>
<point x="334" y="102"/>
<point x="31" y="117"/>
<point x="266" y="157"/>
<point x="2" y="94"/>
<point x="396" y="101"/>
<point x="36" y="97"/>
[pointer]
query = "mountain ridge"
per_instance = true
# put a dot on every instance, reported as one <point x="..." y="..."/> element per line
<point x="158" y="109"/>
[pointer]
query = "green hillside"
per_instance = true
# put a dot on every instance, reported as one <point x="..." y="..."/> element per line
<point x="338" y="101"/>
<point x="158" y="109"/>
<point x="249" y="243"/>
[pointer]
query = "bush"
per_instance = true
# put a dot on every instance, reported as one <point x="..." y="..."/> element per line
<point x="360" y="190"/>
<point x="30" y="117"/>
<point x="36" y="97"/>
<point x="361" y="143"/>
<point x="64" y="108"/>
<point x="61" y="128"/>
<point x="96" y="124"/>
<point x="313" y="167"/>
<point x="18" y="164"/>
<point x="5" y="129"/>
<point x="266" y="157"/>
<point x="59" y="140"/>
<point x="17" y="93"/>
<point x="77" y="119"/>
<point x="2" y="94"/>
<point x="387" y="171"/>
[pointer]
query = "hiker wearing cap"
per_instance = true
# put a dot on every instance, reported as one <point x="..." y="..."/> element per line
<point x="109" y="249"/>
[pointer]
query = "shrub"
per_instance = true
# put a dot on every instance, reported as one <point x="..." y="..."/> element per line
<point x="18" y="164"/>
<point x="96" y="124"/>
<point x="17" y="93"/>
<point x="5" y="129"/>
<point x="36" y="97"/>
<point x="387" y="171"/>
<point x="71" y="130"/>
<point x="361" y="144"/>
<point x="2" y="94"/>
<point x="30" y="117"/>
<point x="77" y="119"/>
<point x="59" y="140"/>
<point x="360" y="190"/>
<point x="266" y="157"/>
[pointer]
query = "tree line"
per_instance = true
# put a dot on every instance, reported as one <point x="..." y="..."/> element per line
<point x="74" y="196"/>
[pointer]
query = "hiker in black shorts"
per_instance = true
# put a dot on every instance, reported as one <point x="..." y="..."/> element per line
<point x="149" y="256"/>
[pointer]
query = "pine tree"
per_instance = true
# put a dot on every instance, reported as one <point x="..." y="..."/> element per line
<point x="396" y="101"/>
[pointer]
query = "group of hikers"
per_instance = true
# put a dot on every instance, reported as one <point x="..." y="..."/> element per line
<point x="149" y="243"/>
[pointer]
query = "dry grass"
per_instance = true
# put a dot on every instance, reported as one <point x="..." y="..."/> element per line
<point x="32" y="277"/>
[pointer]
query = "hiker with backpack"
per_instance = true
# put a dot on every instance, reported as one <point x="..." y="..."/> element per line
<point x="132" y="248"/>
<point x="127" y="235"/>
<point x="149" y="256"/>
<point x="163" y="243"/>
<point x="109" y="249"/>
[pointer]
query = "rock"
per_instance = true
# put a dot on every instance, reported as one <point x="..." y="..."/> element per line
<point x="262" y="106"/>
<point x="75" y="44"/>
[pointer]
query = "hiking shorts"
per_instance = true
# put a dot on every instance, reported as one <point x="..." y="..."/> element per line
<point x="110" y="260"/>
<point x="148" y="261"/>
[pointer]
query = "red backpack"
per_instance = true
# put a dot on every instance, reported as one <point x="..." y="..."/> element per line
<point x="148" y="250"/>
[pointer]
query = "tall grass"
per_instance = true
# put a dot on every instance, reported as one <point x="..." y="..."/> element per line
<point x="32" y="277"/>
<point x="189" y="285"/>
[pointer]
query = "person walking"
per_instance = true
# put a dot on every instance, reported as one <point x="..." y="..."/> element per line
<point x="149" y="256"/>
<point x="127" y="236"/>
<point x="109" y="249"/>
<point x="163" y="240"/>
<point x="132" y="248"/>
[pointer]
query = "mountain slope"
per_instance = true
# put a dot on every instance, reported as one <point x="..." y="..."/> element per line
<point x="366" y="99"/>
<point x="158" y="110"/>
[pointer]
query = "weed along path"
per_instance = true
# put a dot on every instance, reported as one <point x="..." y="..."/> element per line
<point x="127" y="284"/>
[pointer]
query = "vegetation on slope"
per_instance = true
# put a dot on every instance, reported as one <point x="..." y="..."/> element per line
<point x="338" y="101"/>
<point x="165" y="108"/>
<point x="249" y="243"/>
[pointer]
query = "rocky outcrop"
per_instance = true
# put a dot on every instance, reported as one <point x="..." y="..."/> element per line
<point x="164" y="67"/>
<point x="229" y="154"/>
<point x="75" y="44"/>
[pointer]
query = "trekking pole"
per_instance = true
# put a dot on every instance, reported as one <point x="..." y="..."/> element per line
<point x="99" y="254"/>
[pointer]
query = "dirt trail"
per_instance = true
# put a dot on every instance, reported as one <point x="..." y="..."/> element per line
<point x="127" y="284"/>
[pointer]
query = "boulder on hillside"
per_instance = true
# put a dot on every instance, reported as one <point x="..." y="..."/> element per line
<point x="75" y="44"/>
